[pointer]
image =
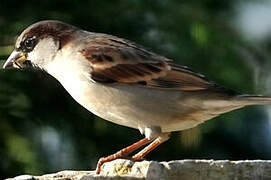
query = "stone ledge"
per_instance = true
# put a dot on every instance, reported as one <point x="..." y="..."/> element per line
<point x="173" y="170"/>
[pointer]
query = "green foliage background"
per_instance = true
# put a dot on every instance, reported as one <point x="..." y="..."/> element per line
<point x="43" y="130"/>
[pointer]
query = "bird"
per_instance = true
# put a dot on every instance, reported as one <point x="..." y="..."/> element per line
<point x="122" y="82"/>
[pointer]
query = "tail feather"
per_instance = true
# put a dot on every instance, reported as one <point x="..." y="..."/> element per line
<point x="253" y="100"/>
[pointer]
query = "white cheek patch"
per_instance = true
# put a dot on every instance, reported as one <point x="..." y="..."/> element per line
<point x="44" y="52"/>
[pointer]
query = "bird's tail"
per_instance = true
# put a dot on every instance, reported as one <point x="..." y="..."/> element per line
<point x="247" y="100"/>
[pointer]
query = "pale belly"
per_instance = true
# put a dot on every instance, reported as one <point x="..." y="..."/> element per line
<point x="138" y="107"/>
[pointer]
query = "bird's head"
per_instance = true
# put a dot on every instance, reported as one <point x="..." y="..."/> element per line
<point x="39" y="43"/>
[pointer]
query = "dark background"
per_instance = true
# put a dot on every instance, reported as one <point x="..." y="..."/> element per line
<point x="43" y="130"/>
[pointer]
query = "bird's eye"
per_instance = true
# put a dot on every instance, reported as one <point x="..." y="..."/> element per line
<point x="29" y="44"/>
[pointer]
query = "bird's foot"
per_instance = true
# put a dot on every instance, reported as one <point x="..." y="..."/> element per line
<point x="124" y="153"/>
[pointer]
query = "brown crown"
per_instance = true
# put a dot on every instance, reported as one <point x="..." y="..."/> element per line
<point x="50" y="28"/>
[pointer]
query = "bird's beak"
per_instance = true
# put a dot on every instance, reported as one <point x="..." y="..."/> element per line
<point x="15" y="60"/>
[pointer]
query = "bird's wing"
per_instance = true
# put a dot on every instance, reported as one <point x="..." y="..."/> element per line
<point x="115" y="60"/>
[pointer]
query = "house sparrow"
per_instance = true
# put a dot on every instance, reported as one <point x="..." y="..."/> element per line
<point x="122" y="82"/>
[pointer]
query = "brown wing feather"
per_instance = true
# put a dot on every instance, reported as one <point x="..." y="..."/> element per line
<point x="115" y="60"/>
<point x="180" y="77"/>
<point x="133" y="73"/>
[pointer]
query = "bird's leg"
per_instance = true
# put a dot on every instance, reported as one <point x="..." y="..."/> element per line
<point x="128" y="150"/>
<point x="159" y="140"/>
<point x="122" y="153"/>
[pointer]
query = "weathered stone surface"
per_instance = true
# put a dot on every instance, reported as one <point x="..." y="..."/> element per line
<point x="173" y="170"/>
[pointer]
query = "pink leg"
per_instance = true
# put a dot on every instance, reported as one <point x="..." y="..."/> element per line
<point x="122" y="153"/>
<point x="128" y="150"/>
<point x="140" y="155"/>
